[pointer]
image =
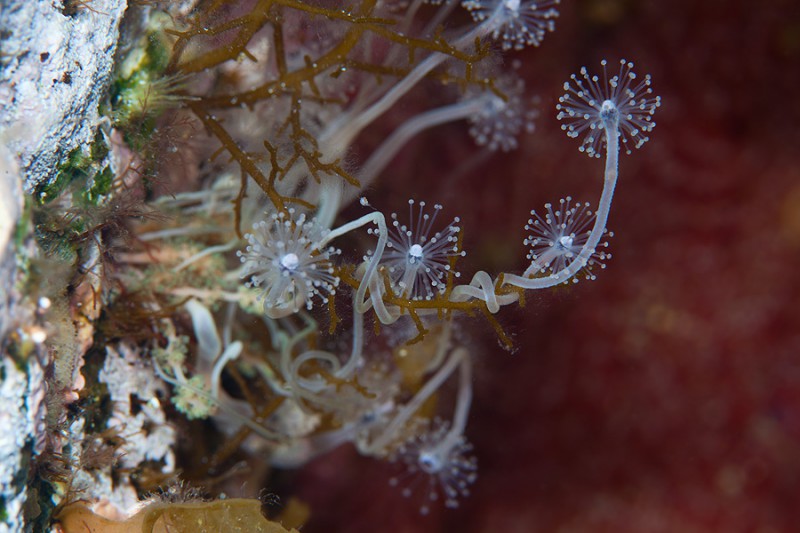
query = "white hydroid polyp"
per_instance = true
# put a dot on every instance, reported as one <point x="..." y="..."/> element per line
<point x="417" y="258"/>
<point x="502" y="120"/>
<point x="557" y="238"/>
<point x="447" y="463"/>
<point x="623" y="101"/>
<point x="515" y="23"/>
<point x="286" y="260"/>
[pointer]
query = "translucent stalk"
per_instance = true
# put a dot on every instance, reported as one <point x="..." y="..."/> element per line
<point x="611" y="126"/>
<point x="412" y="127"/>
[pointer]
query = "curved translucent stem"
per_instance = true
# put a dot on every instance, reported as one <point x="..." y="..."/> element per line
<point x="463" y="403"/>
<point x="374" y="217"/>
<point x="208" y="251"/>
<point x="206" y="295"/>
<point x="345" y="130"/>
<point x="341" y="372"/>
<point x="227" y="327"/>
<point x="409" y="129"/>
<point x="603" y="209"/>
<point x="209" y="345"/>
<point x="287" y="345"/>
<point x="407" y="411"/>
<point x="357" y="349"/>
<point x="411" y="12"/>
<point x="441" y="14"/>
<point x="377" y="290"/>
<point x="180" y="232"/>
<point x="230" y="353"/>
<point x="379" y="220"/>
<point x="330" y="200"/>
<point x="482" y="288"/>
<point x="313" y="385"/>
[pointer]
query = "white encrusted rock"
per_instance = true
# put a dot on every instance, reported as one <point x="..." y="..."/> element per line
<point x="21" y="433"/>
<point x="54" y="70"/>
<point x="11" y="204"/>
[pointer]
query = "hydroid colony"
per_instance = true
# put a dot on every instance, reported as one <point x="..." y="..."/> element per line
<point x="256" y="316"/>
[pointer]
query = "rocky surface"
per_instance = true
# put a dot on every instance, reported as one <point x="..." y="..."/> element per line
<point x="56" y="67"/>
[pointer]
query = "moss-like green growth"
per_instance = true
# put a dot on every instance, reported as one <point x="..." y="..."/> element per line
<point x="100" y="185"/>
<point x="87" y="172"/>
<point x="158" y="51"/>
<point x="76" y="166"/>
<point x="128" y="97"/>
<point x="22" y="256"/>
<point x="99" y="148"/>
<point x="22" y="230"/>
<point x="56" y="241"/>
<point x="140" y="89"/>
